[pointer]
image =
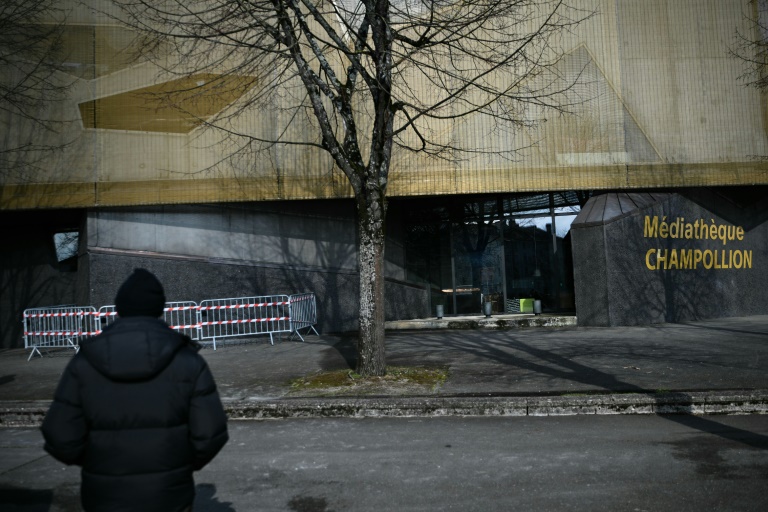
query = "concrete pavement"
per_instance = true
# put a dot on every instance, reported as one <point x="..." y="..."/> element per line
<point x="505" y="365"/>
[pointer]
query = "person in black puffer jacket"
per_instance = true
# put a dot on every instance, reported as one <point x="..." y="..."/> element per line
<point x="137" y="408"/>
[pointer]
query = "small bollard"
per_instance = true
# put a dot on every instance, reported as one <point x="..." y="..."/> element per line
<point x="536" y="307"/>
<point x="439" y="311"/>
<point x="487" y="306"/>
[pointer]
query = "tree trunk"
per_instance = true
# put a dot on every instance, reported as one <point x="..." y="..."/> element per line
<point x="371" y="360"/>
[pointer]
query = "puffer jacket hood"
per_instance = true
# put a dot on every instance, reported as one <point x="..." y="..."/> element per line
<point x="114" y="352"/>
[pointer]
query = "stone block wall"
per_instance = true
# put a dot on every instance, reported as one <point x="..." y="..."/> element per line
<point x="685" y="256"/>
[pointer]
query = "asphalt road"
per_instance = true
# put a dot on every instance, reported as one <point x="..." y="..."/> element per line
<point x="611" y="463"/>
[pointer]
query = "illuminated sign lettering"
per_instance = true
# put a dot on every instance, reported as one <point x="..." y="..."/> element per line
<point x="692" y="259"/>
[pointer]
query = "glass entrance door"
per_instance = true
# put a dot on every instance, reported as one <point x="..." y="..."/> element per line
<point x="466" y="250"/>
<point x="478" y="267"/>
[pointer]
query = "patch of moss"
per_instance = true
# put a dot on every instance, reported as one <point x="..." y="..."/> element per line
<point x="464" y="324"/>
<point x="398" y="380"/>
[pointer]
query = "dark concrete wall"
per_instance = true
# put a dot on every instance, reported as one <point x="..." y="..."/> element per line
<point x="197" y="280"/>
<point x="211" y="252"/>
<point x="30" y="275"/>
<point x="199" y="252"/>
<point x="614" y="285"/>
<point x="590" y="274"/>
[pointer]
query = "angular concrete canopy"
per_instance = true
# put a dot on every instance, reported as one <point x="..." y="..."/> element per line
<point x="609" y="207"/>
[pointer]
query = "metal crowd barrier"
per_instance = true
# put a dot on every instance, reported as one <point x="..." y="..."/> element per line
<point x="180" y="316"/>
<point x="107" y="315"/>
<point x="212" y="320"/>
<point x="58" y="327"/>
<point x="183" y="317"/>
<point x="244" y="316"/>
<point x="303" y="313"/>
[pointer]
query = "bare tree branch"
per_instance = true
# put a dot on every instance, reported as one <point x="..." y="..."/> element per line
<point x="31" y="82"/>
<point x="751" y="46"/>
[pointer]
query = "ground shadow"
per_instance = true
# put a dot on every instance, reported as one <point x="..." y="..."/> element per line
<point x="68" y="499"/>
<point x="762" y="332"/>
<point x="27" y="500"/>
<point x="63" y="498"/>
<point x="207" y="501"/>
<point x="709" y="426"/>
<point x="521" y="355"/>
<point x="347" y="348"/>
<point x="559" y="360"/>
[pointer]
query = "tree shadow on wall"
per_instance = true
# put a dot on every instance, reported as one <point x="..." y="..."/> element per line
<point x="332" y="273"/>
<point x="720" y="285"/>
<point x="324" y="264"/>
<point x="638" y="295"/>
<point x="273" y="248"/>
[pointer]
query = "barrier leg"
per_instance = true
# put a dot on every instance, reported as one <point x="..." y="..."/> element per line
<point x="297" y="331"/>
<point x="34" y="349"/>
<point x="72" y="344"/>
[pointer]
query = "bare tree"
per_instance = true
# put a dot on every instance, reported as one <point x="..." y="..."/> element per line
<point x="367" y="75"/>
<point x="751" y="45"/>
<point x="31" y="81"/>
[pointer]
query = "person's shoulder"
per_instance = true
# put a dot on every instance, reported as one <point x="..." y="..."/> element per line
<point x="79" y="362"/>
<point x="190" y="343"/>
<point x="189" y="353"/>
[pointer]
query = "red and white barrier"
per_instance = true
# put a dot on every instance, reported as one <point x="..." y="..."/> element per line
<point x="244" y="316"/>
<point x="303" y="313"/>
<point x="180" y="316"/>
<point x="58" y="327"/>
<point x="212" y="320"/>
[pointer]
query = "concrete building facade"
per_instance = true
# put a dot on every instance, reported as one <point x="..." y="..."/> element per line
<point x="665" y="133"/>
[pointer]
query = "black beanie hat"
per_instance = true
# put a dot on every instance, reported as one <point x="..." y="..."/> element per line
<point x="140" y="295"/>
